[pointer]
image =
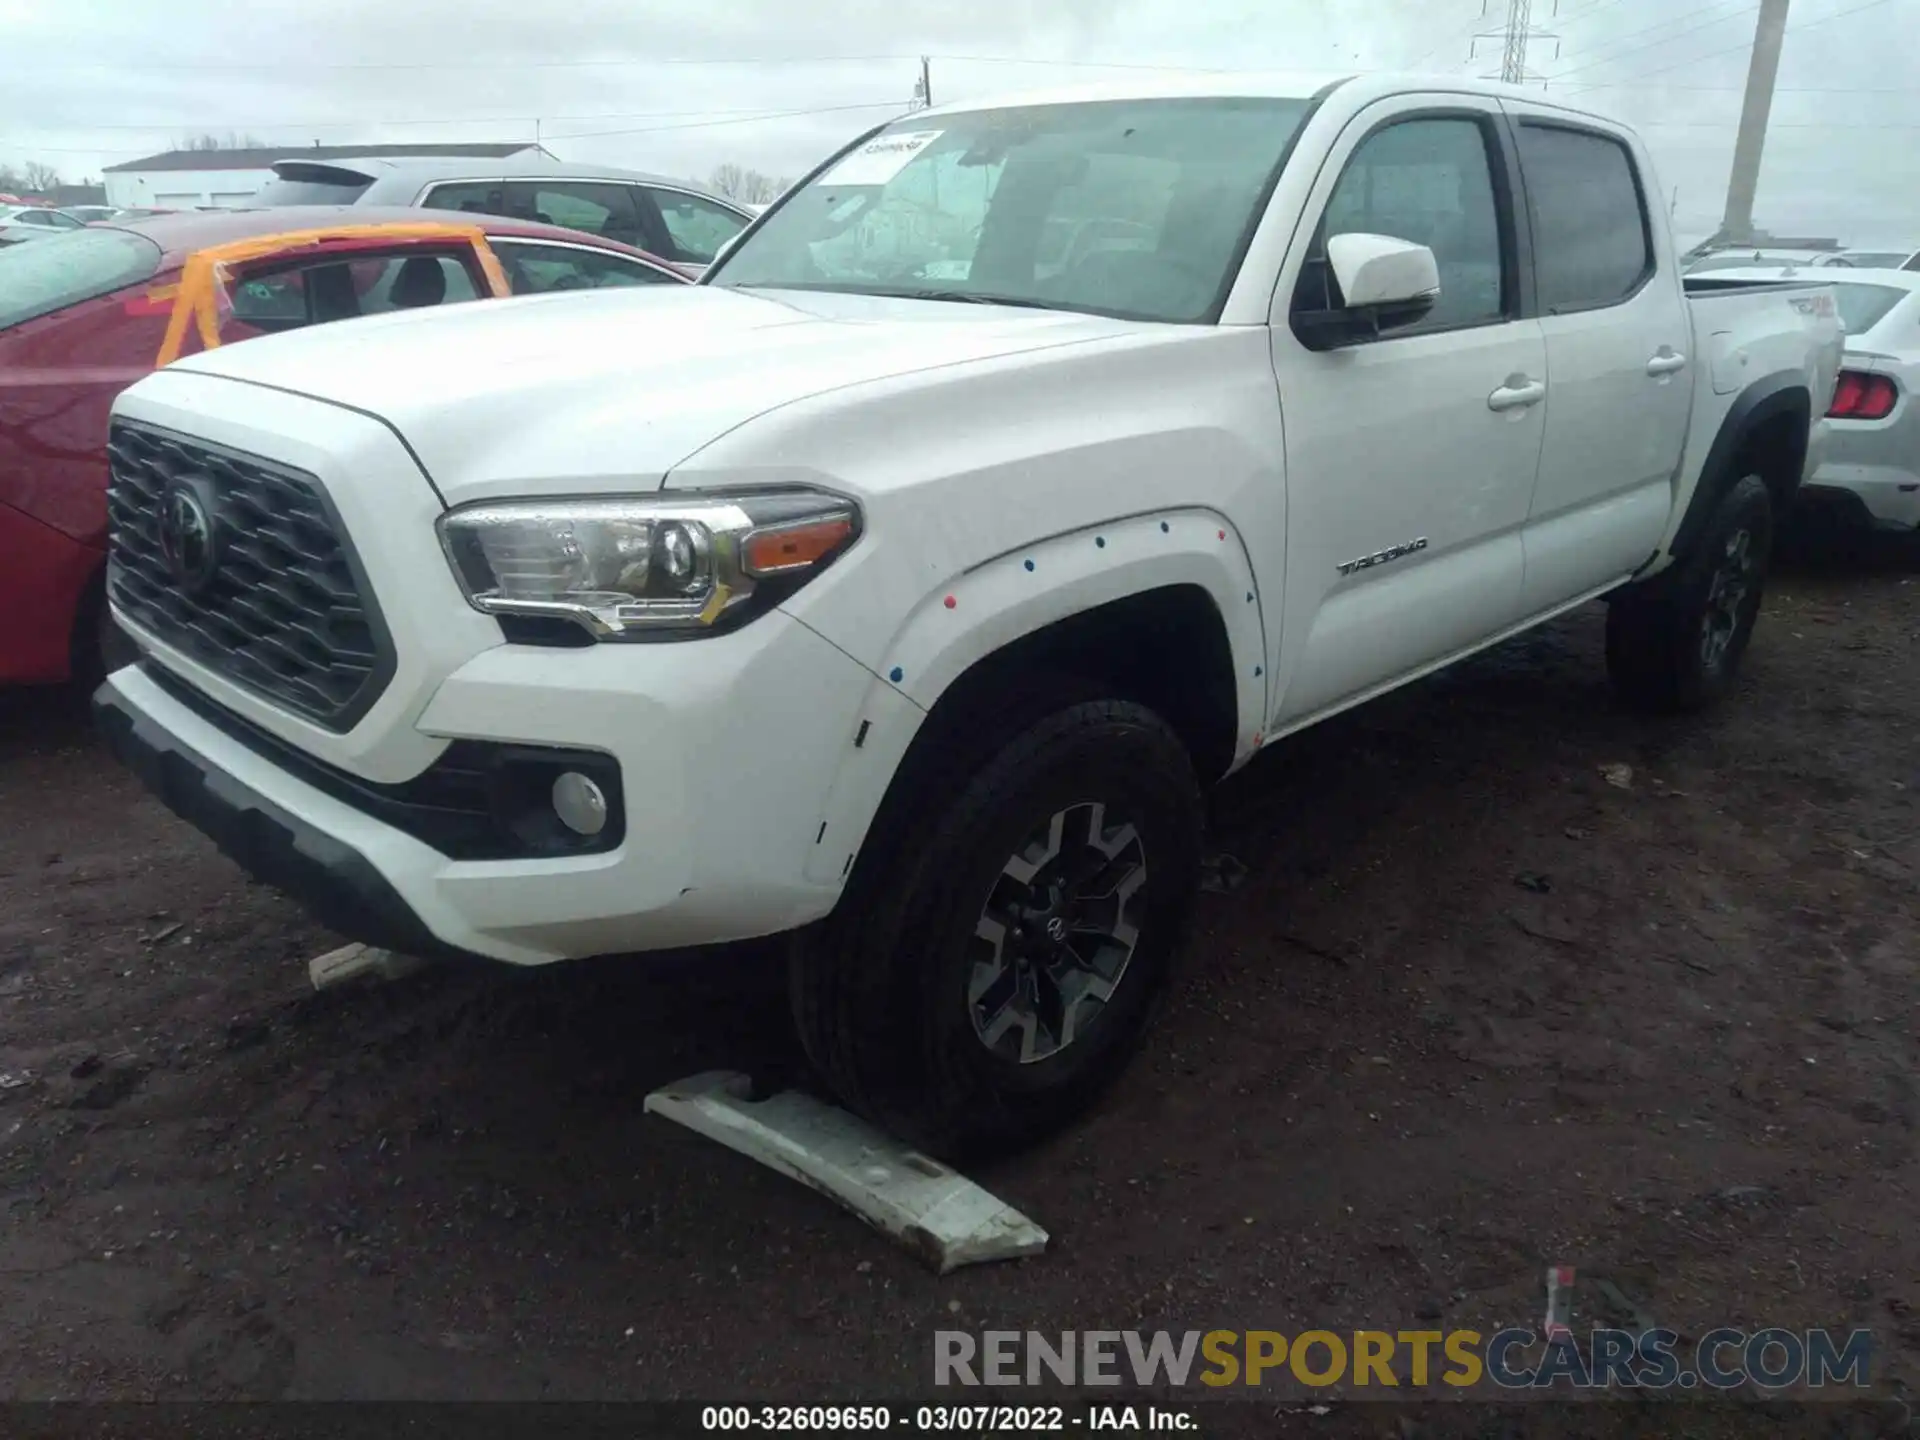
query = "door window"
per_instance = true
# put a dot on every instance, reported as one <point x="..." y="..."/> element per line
<point x="697" y="227"/>
<point x="1592" y="243"/>
<point x="592" y="206"/>
<point x="1429" y="182"/>
<point x="537" y="269"/>
<point x="474" y="197"/>
<point x="341" y="289"/>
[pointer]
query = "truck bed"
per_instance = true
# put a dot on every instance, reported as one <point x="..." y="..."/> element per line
<point x="1703" y="288"/>
<point x="1745" y="332"/>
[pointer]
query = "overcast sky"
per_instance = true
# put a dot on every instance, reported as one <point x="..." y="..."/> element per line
<point x="678" y="87"/>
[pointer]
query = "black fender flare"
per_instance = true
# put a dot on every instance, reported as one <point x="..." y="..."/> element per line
<point x="1783" y="393"/>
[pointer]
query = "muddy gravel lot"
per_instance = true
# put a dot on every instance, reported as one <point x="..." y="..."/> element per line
<point x="1514" y="978"/>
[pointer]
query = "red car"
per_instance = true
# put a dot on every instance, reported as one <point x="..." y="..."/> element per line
<point x="85" y="314"/>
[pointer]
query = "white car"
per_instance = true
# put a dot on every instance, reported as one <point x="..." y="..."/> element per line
<point x="1870" y="476"/>
<point x="1905" y="258"/>
<point x="34" y="222"/>
<point x="912" y="616"/>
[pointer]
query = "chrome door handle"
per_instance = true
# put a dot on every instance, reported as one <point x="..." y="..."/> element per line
<point x="1666" y="363"/>
<point x="1517" y="394"/>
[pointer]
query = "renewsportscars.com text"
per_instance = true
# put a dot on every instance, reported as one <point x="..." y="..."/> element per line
<point x="1511" y="1359"/>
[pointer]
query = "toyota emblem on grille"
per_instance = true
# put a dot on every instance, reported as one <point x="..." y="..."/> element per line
<point x="187" y="538"/>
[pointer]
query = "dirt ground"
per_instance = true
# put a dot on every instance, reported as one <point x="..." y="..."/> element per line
<point x="1475" y="1009"/>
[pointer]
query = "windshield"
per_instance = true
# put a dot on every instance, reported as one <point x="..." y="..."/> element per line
<point x="1864" y="306"/>
<point x="1136" y="208"/>
<point x="65" y="269"/>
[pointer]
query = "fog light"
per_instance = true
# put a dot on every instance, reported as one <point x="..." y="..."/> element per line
<point x="580" y="804"/>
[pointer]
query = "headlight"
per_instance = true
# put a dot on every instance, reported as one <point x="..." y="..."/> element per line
<point x="635" y="569"/>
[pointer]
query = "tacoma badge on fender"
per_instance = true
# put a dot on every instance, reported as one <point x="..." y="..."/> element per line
<point x="1381" y="557"/>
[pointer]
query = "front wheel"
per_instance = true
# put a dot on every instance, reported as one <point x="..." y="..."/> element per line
<point x="991" y="972"/>
<point x="1677" y="644"/>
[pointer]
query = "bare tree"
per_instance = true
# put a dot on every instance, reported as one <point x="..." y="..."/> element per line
<point x="232" y="140"/>
<point x="749" y="187"/>
<point x="39" y="178"/>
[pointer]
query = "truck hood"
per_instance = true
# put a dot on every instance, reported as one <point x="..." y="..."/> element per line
<point x="578" y="393"/>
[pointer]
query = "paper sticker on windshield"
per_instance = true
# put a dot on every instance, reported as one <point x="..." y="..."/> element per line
<point x="880" y="159"/>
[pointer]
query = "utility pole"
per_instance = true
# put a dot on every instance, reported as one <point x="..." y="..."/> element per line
<point x="1514" y="40"/>
<point x="1737" y="226"/>
<point x="923" y="87"/>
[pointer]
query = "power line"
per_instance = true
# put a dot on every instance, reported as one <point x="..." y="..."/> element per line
<point x="1747" y="45"/>
<point x="1514" y="41"/>
<point x="1613" y="55"/>
<point x="1778" y="89"/>
<point x="638" y="62"/>
<point x="738" y="120"/>
<point x="1579" y="15"/>
<point x="1454" y="37"/>
<point x="293" y="150"/>
<point x="439" y="120"/>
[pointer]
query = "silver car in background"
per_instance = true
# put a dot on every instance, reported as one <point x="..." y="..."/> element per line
<point x="1899" y="258"/>
<point x="33" y="222"/>
<point x="675" y="219"/>
<point x="1870" y="475"/>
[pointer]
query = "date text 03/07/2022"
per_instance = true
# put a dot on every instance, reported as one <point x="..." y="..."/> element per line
<point x="943" y="1419"/>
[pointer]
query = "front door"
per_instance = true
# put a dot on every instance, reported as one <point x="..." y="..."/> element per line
<point x="1411" y="457"/>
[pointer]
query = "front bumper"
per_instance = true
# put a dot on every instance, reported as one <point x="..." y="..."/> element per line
<point x="726" y="747"/>
<point x="338" y="884"/>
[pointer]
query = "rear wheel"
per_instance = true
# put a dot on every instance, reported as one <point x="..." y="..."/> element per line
<point x="1677" y="644"/>
<point x="992" y="970"/>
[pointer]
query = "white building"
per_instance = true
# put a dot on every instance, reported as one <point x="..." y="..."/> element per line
<point x="227" y="179"/>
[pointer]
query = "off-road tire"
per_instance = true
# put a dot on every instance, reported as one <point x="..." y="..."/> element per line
<point x="1676" y="643"/>
<point x="880" y="989"/>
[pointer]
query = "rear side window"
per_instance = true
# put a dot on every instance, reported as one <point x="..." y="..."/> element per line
<point x="1592" y="242"/>
<point x="63" y="270"/>
<point x="475" y="197"/>
<point x="591" y="206"/>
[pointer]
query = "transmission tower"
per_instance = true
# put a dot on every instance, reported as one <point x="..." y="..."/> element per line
<point x="1514" y="40"/>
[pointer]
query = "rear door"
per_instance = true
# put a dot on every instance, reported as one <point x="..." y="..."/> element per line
<point x="1411" y="456"/>
<point x="1618" y="332"/>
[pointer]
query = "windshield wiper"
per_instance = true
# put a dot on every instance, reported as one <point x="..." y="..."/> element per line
<point x="974" y="297"/>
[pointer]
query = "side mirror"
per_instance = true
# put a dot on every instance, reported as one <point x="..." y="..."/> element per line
<point x="1385" y="283"/>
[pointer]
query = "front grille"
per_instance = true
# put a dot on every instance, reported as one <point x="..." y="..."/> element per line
<point x="281" y="609"/>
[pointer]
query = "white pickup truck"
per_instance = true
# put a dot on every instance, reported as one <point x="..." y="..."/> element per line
<point x="1027" y="469"/>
